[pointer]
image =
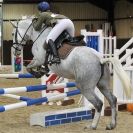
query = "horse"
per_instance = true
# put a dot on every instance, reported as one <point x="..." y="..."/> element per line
<point x="84" y="65"/>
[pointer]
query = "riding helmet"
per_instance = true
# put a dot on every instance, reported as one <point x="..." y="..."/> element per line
<point x="43" y="6"/>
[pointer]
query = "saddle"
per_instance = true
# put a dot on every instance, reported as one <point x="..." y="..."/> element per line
<point x="65" y="44"/>
<point x="66" y="38"/>
<point x="65" y="50"/>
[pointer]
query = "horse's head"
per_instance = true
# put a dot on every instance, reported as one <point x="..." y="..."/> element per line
<point x="24" y="31"/>
<point x="21" y="33"/>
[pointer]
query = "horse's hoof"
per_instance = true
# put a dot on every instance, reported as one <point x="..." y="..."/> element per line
<point x="93" y="128"/>
<point x="90" y="127"/>
<point x="85" y="128"/>
<point x="110" y="127"/>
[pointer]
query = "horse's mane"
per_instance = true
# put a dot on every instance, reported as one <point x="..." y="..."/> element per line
<point x="28" y="17"/>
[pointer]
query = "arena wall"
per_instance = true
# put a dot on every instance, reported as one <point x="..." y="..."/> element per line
<point x="124" y="19"/>
<point x="73" y="10"/>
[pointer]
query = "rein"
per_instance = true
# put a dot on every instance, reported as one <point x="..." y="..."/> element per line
<point x="40" y="34"/>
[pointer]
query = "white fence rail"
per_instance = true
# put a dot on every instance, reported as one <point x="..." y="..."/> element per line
<point x="127" y="61"/>
<point x="104" y="45"/>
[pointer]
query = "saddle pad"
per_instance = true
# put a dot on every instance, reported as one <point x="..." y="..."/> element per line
<point x="65" y="50"/>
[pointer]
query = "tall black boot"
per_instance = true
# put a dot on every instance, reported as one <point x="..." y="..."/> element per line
<point x="56" y="58"/>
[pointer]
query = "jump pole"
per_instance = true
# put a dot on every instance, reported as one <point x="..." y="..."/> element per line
<point x="47" y="119"/>
<point x="36" y="88"/>
<point x="53" y="78"/>
<point x="22" y="98"/>
<point x="26" y="75"/>
<point x="38" y="100"/>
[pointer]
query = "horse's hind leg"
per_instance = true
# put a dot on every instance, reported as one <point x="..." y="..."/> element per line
<point x="104" y="87"/>
<point x="97" y="103"/>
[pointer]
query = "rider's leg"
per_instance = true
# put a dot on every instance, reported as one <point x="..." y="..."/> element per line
<point x="53" y="48"/>
<point x="62" y="24"/>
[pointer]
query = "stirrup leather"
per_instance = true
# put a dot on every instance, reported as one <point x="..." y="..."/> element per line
<point x="56" y="58"/>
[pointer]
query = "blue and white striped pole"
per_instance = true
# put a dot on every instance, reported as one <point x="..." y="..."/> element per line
<point x="38" y="100"/>
<point x="22" y="98"/>
<point x="36" y="88"/>
<point x="26" y="75"/>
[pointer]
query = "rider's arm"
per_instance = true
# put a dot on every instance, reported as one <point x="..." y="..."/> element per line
<point x="37" y="24"/>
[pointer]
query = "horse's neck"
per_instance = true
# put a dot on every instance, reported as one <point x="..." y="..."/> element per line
<point x="38" y="50"/>
<point x="40" y="37"/>
<point x="37" y="36"/>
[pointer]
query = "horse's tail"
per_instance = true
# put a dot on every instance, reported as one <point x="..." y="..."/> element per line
<point x="120" y="73"/>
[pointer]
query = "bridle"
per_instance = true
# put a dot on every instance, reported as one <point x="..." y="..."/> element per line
<point x="23" y="38"/>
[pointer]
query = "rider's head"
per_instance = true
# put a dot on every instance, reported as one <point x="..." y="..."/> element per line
<point x="43" y="6"/>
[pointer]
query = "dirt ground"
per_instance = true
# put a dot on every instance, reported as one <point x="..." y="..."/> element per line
<point x="17" y="120"/>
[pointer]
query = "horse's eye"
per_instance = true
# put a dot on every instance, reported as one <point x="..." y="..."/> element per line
<point x="12" y="34"/>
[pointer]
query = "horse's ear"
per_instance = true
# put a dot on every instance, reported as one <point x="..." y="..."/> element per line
<point x="13" y="23"/>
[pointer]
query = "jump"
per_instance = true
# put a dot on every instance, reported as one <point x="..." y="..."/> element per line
<point x="85" y="65"/>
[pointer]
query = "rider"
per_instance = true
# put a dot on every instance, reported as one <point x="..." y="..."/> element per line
<point x="58" y="22"/>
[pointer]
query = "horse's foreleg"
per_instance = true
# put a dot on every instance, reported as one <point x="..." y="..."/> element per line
<point x="34" y="63"/>
<point x="36" y="70"/>
<point x="34" y="73"/>
<point x="97" y="103"/>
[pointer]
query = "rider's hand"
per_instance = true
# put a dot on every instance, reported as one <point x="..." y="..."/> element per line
<point x="34" y="20"/>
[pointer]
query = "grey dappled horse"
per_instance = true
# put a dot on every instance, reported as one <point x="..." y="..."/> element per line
<point x="84" y="65"/>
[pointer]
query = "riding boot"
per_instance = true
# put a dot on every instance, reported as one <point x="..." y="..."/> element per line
<point x="56" y="58"/>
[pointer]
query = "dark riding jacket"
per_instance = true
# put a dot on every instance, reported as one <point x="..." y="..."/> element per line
<point x="48" y="18"/>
